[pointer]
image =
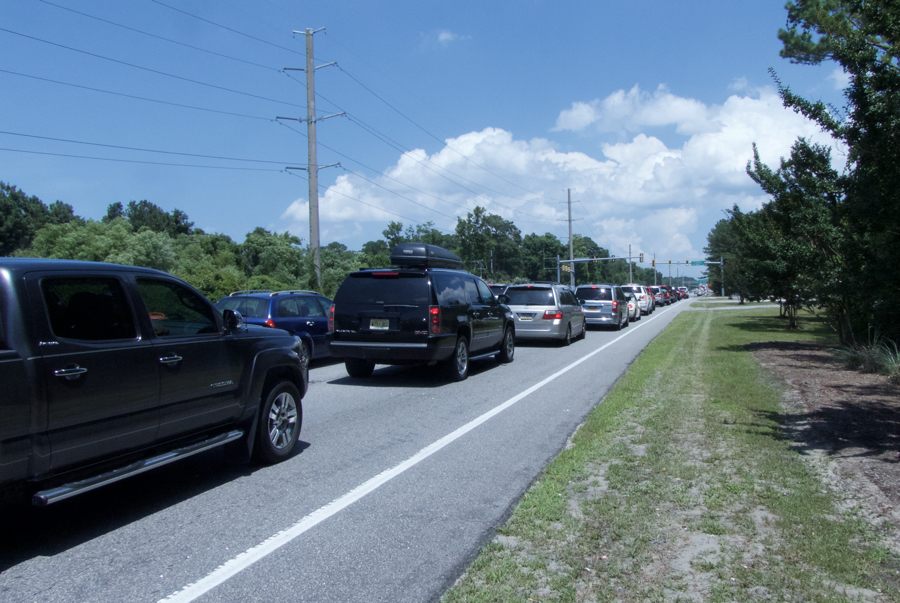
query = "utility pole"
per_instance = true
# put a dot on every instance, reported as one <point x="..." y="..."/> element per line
<point x="312" y="165"/>
<point x="654" y="269"/>
<point x="630" y="264"/>
<point x="571" y="243"/>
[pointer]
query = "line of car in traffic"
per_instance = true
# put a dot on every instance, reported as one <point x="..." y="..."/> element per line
<point x="113" y="370"/>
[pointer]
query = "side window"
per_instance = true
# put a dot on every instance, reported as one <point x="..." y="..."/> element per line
<point x="290" y="308"/>
<point x="486" y="296"/>
<point x="87" y="308"/>
<point x="176" y="311"/>
<point x="450" y="289"/>
<point x="472" y="291"/>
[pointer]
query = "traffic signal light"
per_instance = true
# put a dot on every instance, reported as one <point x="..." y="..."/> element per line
<point x="641" y="258"/>
<point x="653" y="262"/>
<point x="688" y="262"/>
<point x="613" y="260"/>
<point x="670" y="262"/>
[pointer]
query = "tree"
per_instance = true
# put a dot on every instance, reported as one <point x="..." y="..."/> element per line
<point x="489" y="241"/>
<point x="22" y="216"/>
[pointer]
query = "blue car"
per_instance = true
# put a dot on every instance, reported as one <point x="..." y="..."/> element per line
<point x="302" y="313"/>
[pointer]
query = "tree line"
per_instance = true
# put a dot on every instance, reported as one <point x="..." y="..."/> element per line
<point x="143" y="234"/>
<point x="826" y="237"/>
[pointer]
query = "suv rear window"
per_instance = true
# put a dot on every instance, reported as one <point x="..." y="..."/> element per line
<point x="530" y="296"/>
<point x="388" y="288"/>
<point x="594" y="293"/>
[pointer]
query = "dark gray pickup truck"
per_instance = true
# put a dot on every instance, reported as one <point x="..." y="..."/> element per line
<point x="108" y="371"/>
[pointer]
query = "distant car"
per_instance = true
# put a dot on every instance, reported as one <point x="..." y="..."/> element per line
<point x="299" y="312"/>
<point x="644" y="297"/>
<point x="546" y="311"/>
<point x="659" y="295"/>
<point x="603" y="305"/>
<point x="634" y="308"/>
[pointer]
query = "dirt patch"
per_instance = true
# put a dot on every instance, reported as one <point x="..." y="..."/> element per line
<point x="848" y="424"/>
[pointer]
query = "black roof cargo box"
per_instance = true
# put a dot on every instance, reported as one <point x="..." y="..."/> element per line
<point x="422" y="255"/>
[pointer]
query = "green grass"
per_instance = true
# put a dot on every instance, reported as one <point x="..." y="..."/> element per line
<point x="686" y="488"/>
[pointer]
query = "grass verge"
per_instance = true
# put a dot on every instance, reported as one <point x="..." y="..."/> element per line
<point x="680" y="486"/>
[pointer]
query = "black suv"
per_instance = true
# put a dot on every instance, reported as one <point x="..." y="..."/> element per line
<point x="301" y="313"/>
<point x="109" y="371"/>
<point x="424" y="310"/>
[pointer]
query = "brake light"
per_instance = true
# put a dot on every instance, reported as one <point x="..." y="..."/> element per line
<point x="434" y="318"/>
<point x="331" y="319"/>
<point x="270" y="323"/>
<point x="615" y="305"/>
<point x="548" y="315"/>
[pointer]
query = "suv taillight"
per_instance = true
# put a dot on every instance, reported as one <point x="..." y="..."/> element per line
<point x="331" y="319"/>
<point x="615" y="305"/>
<point x="434" y="319"/>
<point x="550" y="315"/>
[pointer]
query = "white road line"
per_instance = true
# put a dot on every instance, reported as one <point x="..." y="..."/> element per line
<point x="250" y="556"/>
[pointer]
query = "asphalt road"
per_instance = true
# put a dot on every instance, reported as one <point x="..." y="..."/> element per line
<point x="399" y="481"/>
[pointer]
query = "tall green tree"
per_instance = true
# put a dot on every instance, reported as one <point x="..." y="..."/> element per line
<point x="22" y="216"/>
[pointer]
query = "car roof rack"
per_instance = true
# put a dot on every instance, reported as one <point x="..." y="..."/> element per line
<point x="292" y="292"/>
<point x="250" y="292"/>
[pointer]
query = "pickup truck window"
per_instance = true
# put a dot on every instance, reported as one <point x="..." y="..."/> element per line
<point x="87" y="308"/>
<point x="175" y="311"/>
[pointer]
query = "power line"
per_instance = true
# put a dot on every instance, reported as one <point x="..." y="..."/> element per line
<point x="212" y="167"/>
<point x="160" y="37"/>
<point x="240" y="33"/>
<point x="112" y="146"/>
<point x="151" y="100"/>
<point x="178" y="77"/>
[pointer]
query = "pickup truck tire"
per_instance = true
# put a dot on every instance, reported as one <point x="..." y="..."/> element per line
<point x="507" y="347"/>
<point x="457" y="366"/>
<point x="359" y="369"/>
<point x="279" y="424"/>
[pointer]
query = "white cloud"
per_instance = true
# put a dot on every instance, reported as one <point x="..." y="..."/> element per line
<point x="441" y="38"/>
<point x="840" y="78"/>
<point x="637" y="191"/>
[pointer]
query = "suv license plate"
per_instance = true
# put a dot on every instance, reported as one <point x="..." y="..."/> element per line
<point x="379" y="324"/>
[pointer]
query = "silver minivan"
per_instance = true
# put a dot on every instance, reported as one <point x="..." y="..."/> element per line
<point x="603" y="305"/>
<point x="545" y="311"/>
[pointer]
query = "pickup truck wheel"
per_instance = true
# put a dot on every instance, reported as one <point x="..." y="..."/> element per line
<point x="280" y="419"/>
<point x="507" y="347"/>
<point x="457" y="365"/>
<point x="359" y="369"/>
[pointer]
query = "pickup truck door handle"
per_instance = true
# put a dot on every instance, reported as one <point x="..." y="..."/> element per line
<point x="170" y="359"/>
<point x="71" y="373"/>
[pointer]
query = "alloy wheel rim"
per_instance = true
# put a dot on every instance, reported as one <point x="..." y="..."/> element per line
<point x="282" y="420"/>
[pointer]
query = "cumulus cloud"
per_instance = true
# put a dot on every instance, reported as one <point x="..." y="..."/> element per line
<point x="636" y="191"/>
<point x="441" y="38"/>
<point x="840" y="78"/>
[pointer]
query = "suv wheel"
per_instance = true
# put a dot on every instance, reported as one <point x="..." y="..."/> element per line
<point x="279" y="423"/>
<point x="507" y="347"/>
<point x="359" y="369"/>
<point x="458" y="364"/>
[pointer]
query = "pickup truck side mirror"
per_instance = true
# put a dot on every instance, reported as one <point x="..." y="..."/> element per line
<point x="233" y="320"/>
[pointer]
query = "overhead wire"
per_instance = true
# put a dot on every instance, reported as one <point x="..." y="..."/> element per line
<point x="214" y="167"/>
<point x="178" y="77"/>
<point x="143" y="98"/>
<point x="113" y="146"/>
<point x="145" y="33"/>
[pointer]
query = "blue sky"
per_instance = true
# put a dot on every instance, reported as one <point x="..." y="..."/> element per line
<point x="647" y="110"/>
